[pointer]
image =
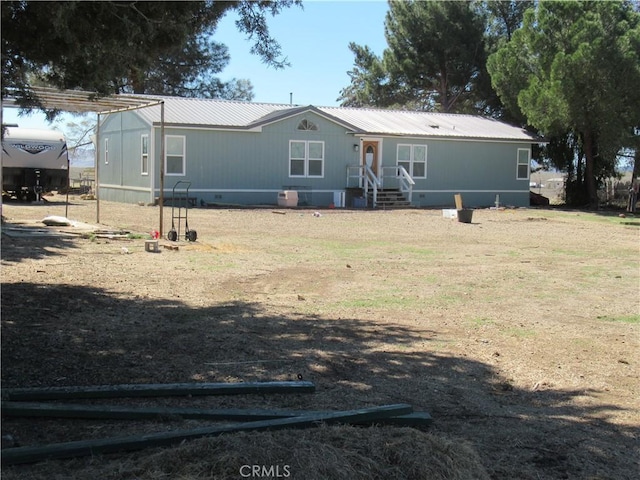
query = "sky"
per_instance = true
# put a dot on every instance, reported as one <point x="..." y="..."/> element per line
<point x="314" y="39"/>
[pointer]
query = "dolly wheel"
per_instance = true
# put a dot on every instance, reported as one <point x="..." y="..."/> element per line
<point x="172" y="235"/>
<point x="192" y="235"/>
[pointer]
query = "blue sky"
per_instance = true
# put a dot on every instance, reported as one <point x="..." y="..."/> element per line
<point x="315" y="41"/>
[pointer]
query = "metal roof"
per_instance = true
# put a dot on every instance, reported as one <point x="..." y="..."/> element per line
<point x="213" y="113"/>
<point x="216" y="113"/>
<point x="230" y="114"/>
<point x="428" y="124"/>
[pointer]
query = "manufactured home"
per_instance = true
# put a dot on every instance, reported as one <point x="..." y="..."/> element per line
<point x="243" y="153"/>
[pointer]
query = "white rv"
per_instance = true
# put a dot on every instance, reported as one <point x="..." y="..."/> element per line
<point x="33" y="162"/>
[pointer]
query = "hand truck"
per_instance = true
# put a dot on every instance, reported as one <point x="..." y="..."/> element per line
<point x="181" y="198"/>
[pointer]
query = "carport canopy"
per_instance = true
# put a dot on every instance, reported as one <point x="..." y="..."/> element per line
<point x="80" y="101"/>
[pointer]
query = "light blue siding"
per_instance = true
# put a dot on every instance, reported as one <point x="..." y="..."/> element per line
<point x="236" y="166"/>
<point x="252" y="167"/>
<point x="122" y="179"/>
<point x="479" y="170"/>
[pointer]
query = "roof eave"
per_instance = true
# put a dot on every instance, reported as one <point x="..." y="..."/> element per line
<point x="207" y="126"/>
<point x="288" y="113"/>
<point x="456" y="137"/>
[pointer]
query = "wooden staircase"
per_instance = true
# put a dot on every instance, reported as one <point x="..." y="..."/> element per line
<point x="389" y="198"/>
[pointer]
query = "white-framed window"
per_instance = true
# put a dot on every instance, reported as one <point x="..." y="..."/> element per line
<point x="524" y="164"/>
<point x="306" y="158"/>
<point x="144" y="154"/>
<point x="413" y="158"/>
<point x="175" y="155"/>
<point x="307" y="125"/>
<point x="106" y="151"/>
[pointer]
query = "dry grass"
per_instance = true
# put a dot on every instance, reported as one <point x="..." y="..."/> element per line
<point x="339" y="453"/>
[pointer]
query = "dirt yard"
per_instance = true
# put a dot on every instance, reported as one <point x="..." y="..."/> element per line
<point x="518" y="333"/>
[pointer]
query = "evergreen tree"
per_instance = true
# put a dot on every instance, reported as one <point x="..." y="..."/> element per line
<point x="434" y="59"/>
<point x="144" y="47"/>
<point x="369" y="80"/>
<point x="502" y="18"/>
<point x="573" y="70"/>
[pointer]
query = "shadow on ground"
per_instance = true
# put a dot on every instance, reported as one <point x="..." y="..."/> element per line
<point x="21" y="242"/>
<point x="67" y="335"/>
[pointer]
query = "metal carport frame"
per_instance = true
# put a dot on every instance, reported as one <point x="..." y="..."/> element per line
<point x="79" y="101"/>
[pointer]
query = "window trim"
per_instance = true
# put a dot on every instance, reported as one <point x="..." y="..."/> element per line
<point x="412" y="160"/>
<point x="144" y="171"/>
<point x="307" y="126"/>
<point x="183" y="155"/>
<point x="307" y="159"/>
<point x="528" y="164"/>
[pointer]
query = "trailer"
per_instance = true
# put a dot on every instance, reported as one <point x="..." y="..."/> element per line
<point x="33" y="162"/>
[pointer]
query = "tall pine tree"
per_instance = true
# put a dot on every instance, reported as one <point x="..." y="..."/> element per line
<point x="434" y="59"/>
<point x="573" y="69"/>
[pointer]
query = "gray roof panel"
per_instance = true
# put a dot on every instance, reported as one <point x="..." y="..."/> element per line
<point x="210" y="113"/>
<point x="429" y="124"/>
<point x="214" y="113"/>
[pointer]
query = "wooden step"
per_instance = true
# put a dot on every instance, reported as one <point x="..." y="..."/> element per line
<point x="389" y="199"/>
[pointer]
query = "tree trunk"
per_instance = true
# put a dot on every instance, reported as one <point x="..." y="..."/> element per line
<point x="590" y="178"/>
<point x="444" y="91"/>
<point x="136" y="81"/>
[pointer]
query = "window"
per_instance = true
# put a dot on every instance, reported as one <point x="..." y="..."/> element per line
<point x="306" y="158"/>
<point x="174" y="160"/>
<point x="524" y="163"/>
<point x="106" y="151"/>
<point x="414" y="159"/>
<point x="307" y="125"/>
<point x="144" y="154"/>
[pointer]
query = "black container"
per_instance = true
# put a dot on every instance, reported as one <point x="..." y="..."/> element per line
<point x="465" y="215"/>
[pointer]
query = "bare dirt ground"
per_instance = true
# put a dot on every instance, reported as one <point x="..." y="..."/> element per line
<point x="519" y="333"/>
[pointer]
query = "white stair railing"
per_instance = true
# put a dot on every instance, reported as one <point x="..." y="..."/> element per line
<point x="373" y="182"/>
<point x="367" y="180"/>
<point x="404" y="181"/>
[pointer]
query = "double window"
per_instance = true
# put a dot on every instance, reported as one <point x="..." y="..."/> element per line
<point x="175" y="155"/>
<point x="414" y="159"/>
<point x="306" y="158"/>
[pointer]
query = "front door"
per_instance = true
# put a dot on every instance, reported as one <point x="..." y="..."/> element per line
<point x="370" y="155"/>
